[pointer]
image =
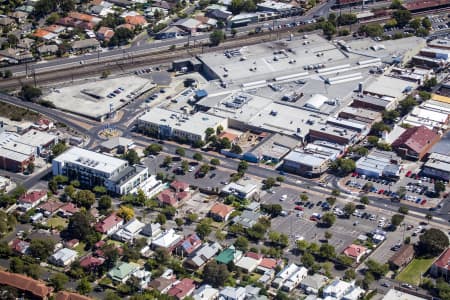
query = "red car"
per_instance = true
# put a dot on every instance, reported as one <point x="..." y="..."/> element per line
<point x="423" y="202"/>
<point x="354" y="174"/>
<point x="408" y="173"/>
<point x="313" y="218"/>
<point x="298" y="207"/>
<point x="380" y="191"/>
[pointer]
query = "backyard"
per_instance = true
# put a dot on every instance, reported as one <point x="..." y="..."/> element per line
<point x="413" y="272"/>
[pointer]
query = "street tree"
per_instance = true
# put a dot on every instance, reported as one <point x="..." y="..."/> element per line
<point x="84" y="198"/>
<point x="328" y="219"/>
<point x="58" y="281"/>
<point x="167" y="161"/>
<point x="197" y="156"/>
<point x="214" y="161"/>
<point x="242" y="167"/>
<point x="241" y="243"/>
<point x="180" y="151"/>
<point x="84" y="286"/>
<point x="216" y="37"/>
<point x="432" y="242"/>
<point x="132" y="157"/>
<point x="439" y="186"/>
<point x="329" y="29"/>
<point x="403" y="210"/>
<point x="397" y="219"/>
<point x="349" y="208"/>
<point x="402" y="16"/>
<point x="327" y="251"/>
<point x="328" y="235"/>
<point x="153" y="149"/>
<point x="331" y="200"/>
<point x="304" y="197"/>
<point x="364" y="200"/>
<point x="125" y="212"/>
<point x="30" y="93"/>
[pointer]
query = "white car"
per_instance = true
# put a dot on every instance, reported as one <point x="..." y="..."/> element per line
<point x="381" y="224"/>
<point x="191" y="169"/>
<point x="283" y="197"/>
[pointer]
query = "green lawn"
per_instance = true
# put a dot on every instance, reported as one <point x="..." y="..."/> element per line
<point x="411" y="274"/>
<point x="57" y="222"/>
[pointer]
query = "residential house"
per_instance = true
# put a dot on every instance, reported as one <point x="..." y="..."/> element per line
<point x="231" y="254"/>
<point x="68" y="210"/>
<point x="402" y="257"/>
<point x="179" y="191"/>
<point x="105" y="33"/>
<point x="206" y="292"/>
<point x="50" y="207"/>
<point x="136" y="20"/>
<point x="123" y="271"/>
<point x="20" y="246"/>
<point x="162" y="284"/>
<point x="290" y="277"/>
<point x="189" y="25"/>
<point x="143" y="278"/>
<point x="31" y="199"/>
<point x="91" y="262"/>
<point x="247" y="219"/>
<point x="64" y="295"/>
<point x="32" y="288"/>
<point x="44" y="34"/>
<point x="182" y="289"/>
<point x="64" y="257"/>
<point x="232" y="293"/>
<point x="71" y="243"/>
<point x="129" y="231"/>
<point x="220" y="212"/>
<point x="46" y="50"/>
<point x="19" y="16"/>
<point x="200" y="257"/>
<point x="355" y="252"/>
<point x="441" y="266"/>
<point x="311" y="284"/>
<point x="415" y="142"/>
<point x="109" y="225"/>
<point x="249" y="262"/>
<point x="85" y="45"/>
<point x="268" y="265"/>
<point x="167" y="240"/>
<point x="5" y="21"/>
<point x="338" y="289"/>
<point x="151" y="230"/>
<point x="188" y="245"/>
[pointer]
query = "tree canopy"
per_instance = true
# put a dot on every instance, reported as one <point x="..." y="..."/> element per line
<point x="432" y="242"/>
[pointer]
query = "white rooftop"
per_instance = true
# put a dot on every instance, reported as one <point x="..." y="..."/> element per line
<point x="36" y="138"/>
<point x="167" y="239"/>
<point x="91" y="159"/>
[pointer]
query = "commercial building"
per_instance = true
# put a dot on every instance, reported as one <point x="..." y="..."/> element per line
<point x="313" y="160"/>
<point x="243" y="190"/>
<point x="415" y="142"/>
<point x="96" y="169"/>
<point x="418" y="5"/>
<point x="394" y="294"/>
<point x="15" y="156"/>
<point x="117" y="145"/>
<point x="167" y="124"/>
<point x="280" y="8"/>
<point x="437" y="166"/>
<point x="272" y="149"/>
<point x="374" y="165"/>
<point x="40" y="140"/>
<point x="360" y="114"/>
<point x="373" y="103"/>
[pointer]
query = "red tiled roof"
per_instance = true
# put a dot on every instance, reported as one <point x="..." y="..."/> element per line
<point x="167" y="197"/>
<point x="221" y="210"/>
<point x="182" y="288"/>
<point x="415" y="138"/>
<point x="19" y="246"/>
<point x="33" y="196"/>
<point x="254" y="255"/>
<point x="40" y="33"/>
<point x="108" y="223"/>
<point x="354" y="250"/>
<point x="70" y="208"/>
<point x="443" y="260"/>
<point x="179" y="185"/>
<point x="127" y="26"/>
<point x="91" y="262"/>
<point x="25" y="283"/>
<point x="135" y="20"/>
<point x="63" y="295"/>
<point x="81" y="17"/>
<point x="422" y="4"/>
<point x="269" y="263"/>
<point x="230" y="136"/>
<point x="51" y="206"/>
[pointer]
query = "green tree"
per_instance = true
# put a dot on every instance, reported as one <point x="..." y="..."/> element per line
<point x="121" y="36"/>
<point x="180" y="151"/>
<point x="327" y="251"/>
<point x="99" y="189"/>
<point x="378" y="270"/>
<point x="167" y="161"/>
<point x="16" y="265"/>
<point x="185" y="166"/>
<point x="192" y="217"/>
<point x="216" y="37"/>
<point x="308" y="260"/>
<point x="378" y="127"/>
<point x="344" y="261"/>
<point x="397" y="219"/>
<point x="41" y="248"/>
<point x="132" y="157"/>
<point x="415" y="23"/>
<point x="349" y="275"/>
<point x="364" y="200"/>
<point x="241" y="243"/>
<point x="203" y="229"/>
<point x="104" y="203"/>
<point x="301" y="245"/>
<point x="215" y="161"/>
<point x="79" y="226"/>
<point x="349" y="208"/>
<point x="373" y="140"/>
<point x="58" y="281"/>
<point x="439" y="186"/>
<point x="372" y="30"/>
<point x="331" y="200"/>
<point x="30" y="93"/>
<point x="7" y="74"/>
<point x="84" y="198"/>
<point x="426" y="23"/>
<point x="406" y="106"/>
<point x="84" y="286"/>
<point x="403" y="210"/>
<point x="125" y="212"/>
<point x="215" y="274"/>
<point x="242" y="167"/>
<point x="402" y="16"/>
<point x="328" y="29"/>
<point x="59" y="148"/>
<point x="197" y="156"/>
<point x="346" y="19"/>
<point x="396" y="4"/>
<point x="269" y="183"/>
<point x="161" y="219"/>
<point x="153" y="149"/>
<point x="328" y="219"/>
<point x="432" y="242"/>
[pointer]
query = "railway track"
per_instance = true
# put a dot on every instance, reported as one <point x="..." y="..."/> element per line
<point x="123" y="65"/>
